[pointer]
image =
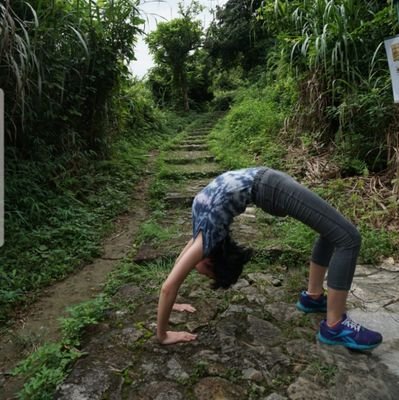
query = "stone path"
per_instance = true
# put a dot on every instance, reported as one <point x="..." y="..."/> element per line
<point x="253" y="343"/>
<point x="374" y="300"/>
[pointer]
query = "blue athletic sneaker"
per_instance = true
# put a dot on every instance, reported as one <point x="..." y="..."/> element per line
<point x="349" y="334"/>
<point x="308" y="305"/>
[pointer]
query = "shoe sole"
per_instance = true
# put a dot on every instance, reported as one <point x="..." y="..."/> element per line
<point x="308" y="310"/>
<point x="352" y="346"/>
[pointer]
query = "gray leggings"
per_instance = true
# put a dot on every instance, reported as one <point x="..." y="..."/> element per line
<point x="339" y="242"/>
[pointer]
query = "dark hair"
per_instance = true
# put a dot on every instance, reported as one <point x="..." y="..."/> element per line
<point x="228" y="259"/>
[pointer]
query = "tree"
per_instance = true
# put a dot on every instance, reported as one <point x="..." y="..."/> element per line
<point x="173" y="44"/>
<point x="236" y="36"/>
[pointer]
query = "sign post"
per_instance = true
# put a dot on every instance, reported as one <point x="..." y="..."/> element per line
<point x="392" y="50"/>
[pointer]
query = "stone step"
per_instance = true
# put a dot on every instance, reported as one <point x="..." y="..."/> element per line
<point x="187" y="155"/>
<point x="193" y="170"/>
<point x="184" y="157"/>
<point x="174" y="200"/>
<point x="190" y="147"/>
<point x="194" y="141"/>
<point x="182" y="161"/>
<point x="201" y="129"/>
<point x="206" y="125"/>
<point x="182" y="195"/>
<point x="178" y="222"/>
<point x="199" y="134"/>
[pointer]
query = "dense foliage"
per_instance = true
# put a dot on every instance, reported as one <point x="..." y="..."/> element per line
<point x="337" y="52"/>
<point x="78" y="128"/>
<point x="62" y="62"/>
<point x="252" y="126"/>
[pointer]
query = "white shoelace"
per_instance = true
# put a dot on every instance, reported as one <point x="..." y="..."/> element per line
<point x="351" y="324"/>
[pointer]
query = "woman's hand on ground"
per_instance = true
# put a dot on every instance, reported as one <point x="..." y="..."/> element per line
<point x="177" y="337"/>
<point x="183" y="307"/>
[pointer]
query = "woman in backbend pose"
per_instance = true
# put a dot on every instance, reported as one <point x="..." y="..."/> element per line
<point x="212" y="253"/>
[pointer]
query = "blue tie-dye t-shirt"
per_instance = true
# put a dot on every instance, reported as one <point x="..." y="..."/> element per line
<point x="216" y="205"/>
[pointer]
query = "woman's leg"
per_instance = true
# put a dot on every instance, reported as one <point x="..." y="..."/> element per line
<point x="336" y="232"/>
<point x="316" y="279"/>
<point x="321" y="257"/>
<point x="280" y="193"/>
<point x="339" y="242"/>
<point x="336" y="300"/>
<point x="336" y="305"/>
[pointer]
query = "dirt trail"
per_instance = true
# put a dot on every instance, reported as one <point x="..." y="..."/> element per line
<point x="40" y="322"/>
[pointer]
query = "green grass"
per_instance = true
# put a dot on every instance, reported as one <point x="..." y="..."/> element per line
<point x="44" y="370"/>
<point x="153" y="233"/>
<point x="291" y="234"/>
<point x="376" y="244"/>
<point x="352" y="198"/>
<point x="80" y="316"/>
<point x="148" y="276"/>
<point x="323" y="372"/>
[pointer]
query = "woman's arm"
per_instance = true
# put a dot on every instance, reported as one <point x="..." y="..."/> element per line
<point x="185" y="263"/>
<point x="186" y="247"/>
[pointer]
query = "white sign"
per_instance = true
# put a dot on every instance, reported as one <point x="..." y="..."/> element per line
<point x="1" y="168"/>
<point x="392" y="49"/>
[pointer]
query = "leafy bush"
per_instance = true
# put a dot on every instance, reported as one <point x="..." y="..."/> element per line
<point x="136" y="112"/>
<point x="335" y="48"/>
<point x="63" y="62"/>
<point x="80" y="316"/>
<point x="364" y="115"/>
<point x="225" y="85"/>
<point x="249" y="134"/>
<point x="44" y="370"/>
